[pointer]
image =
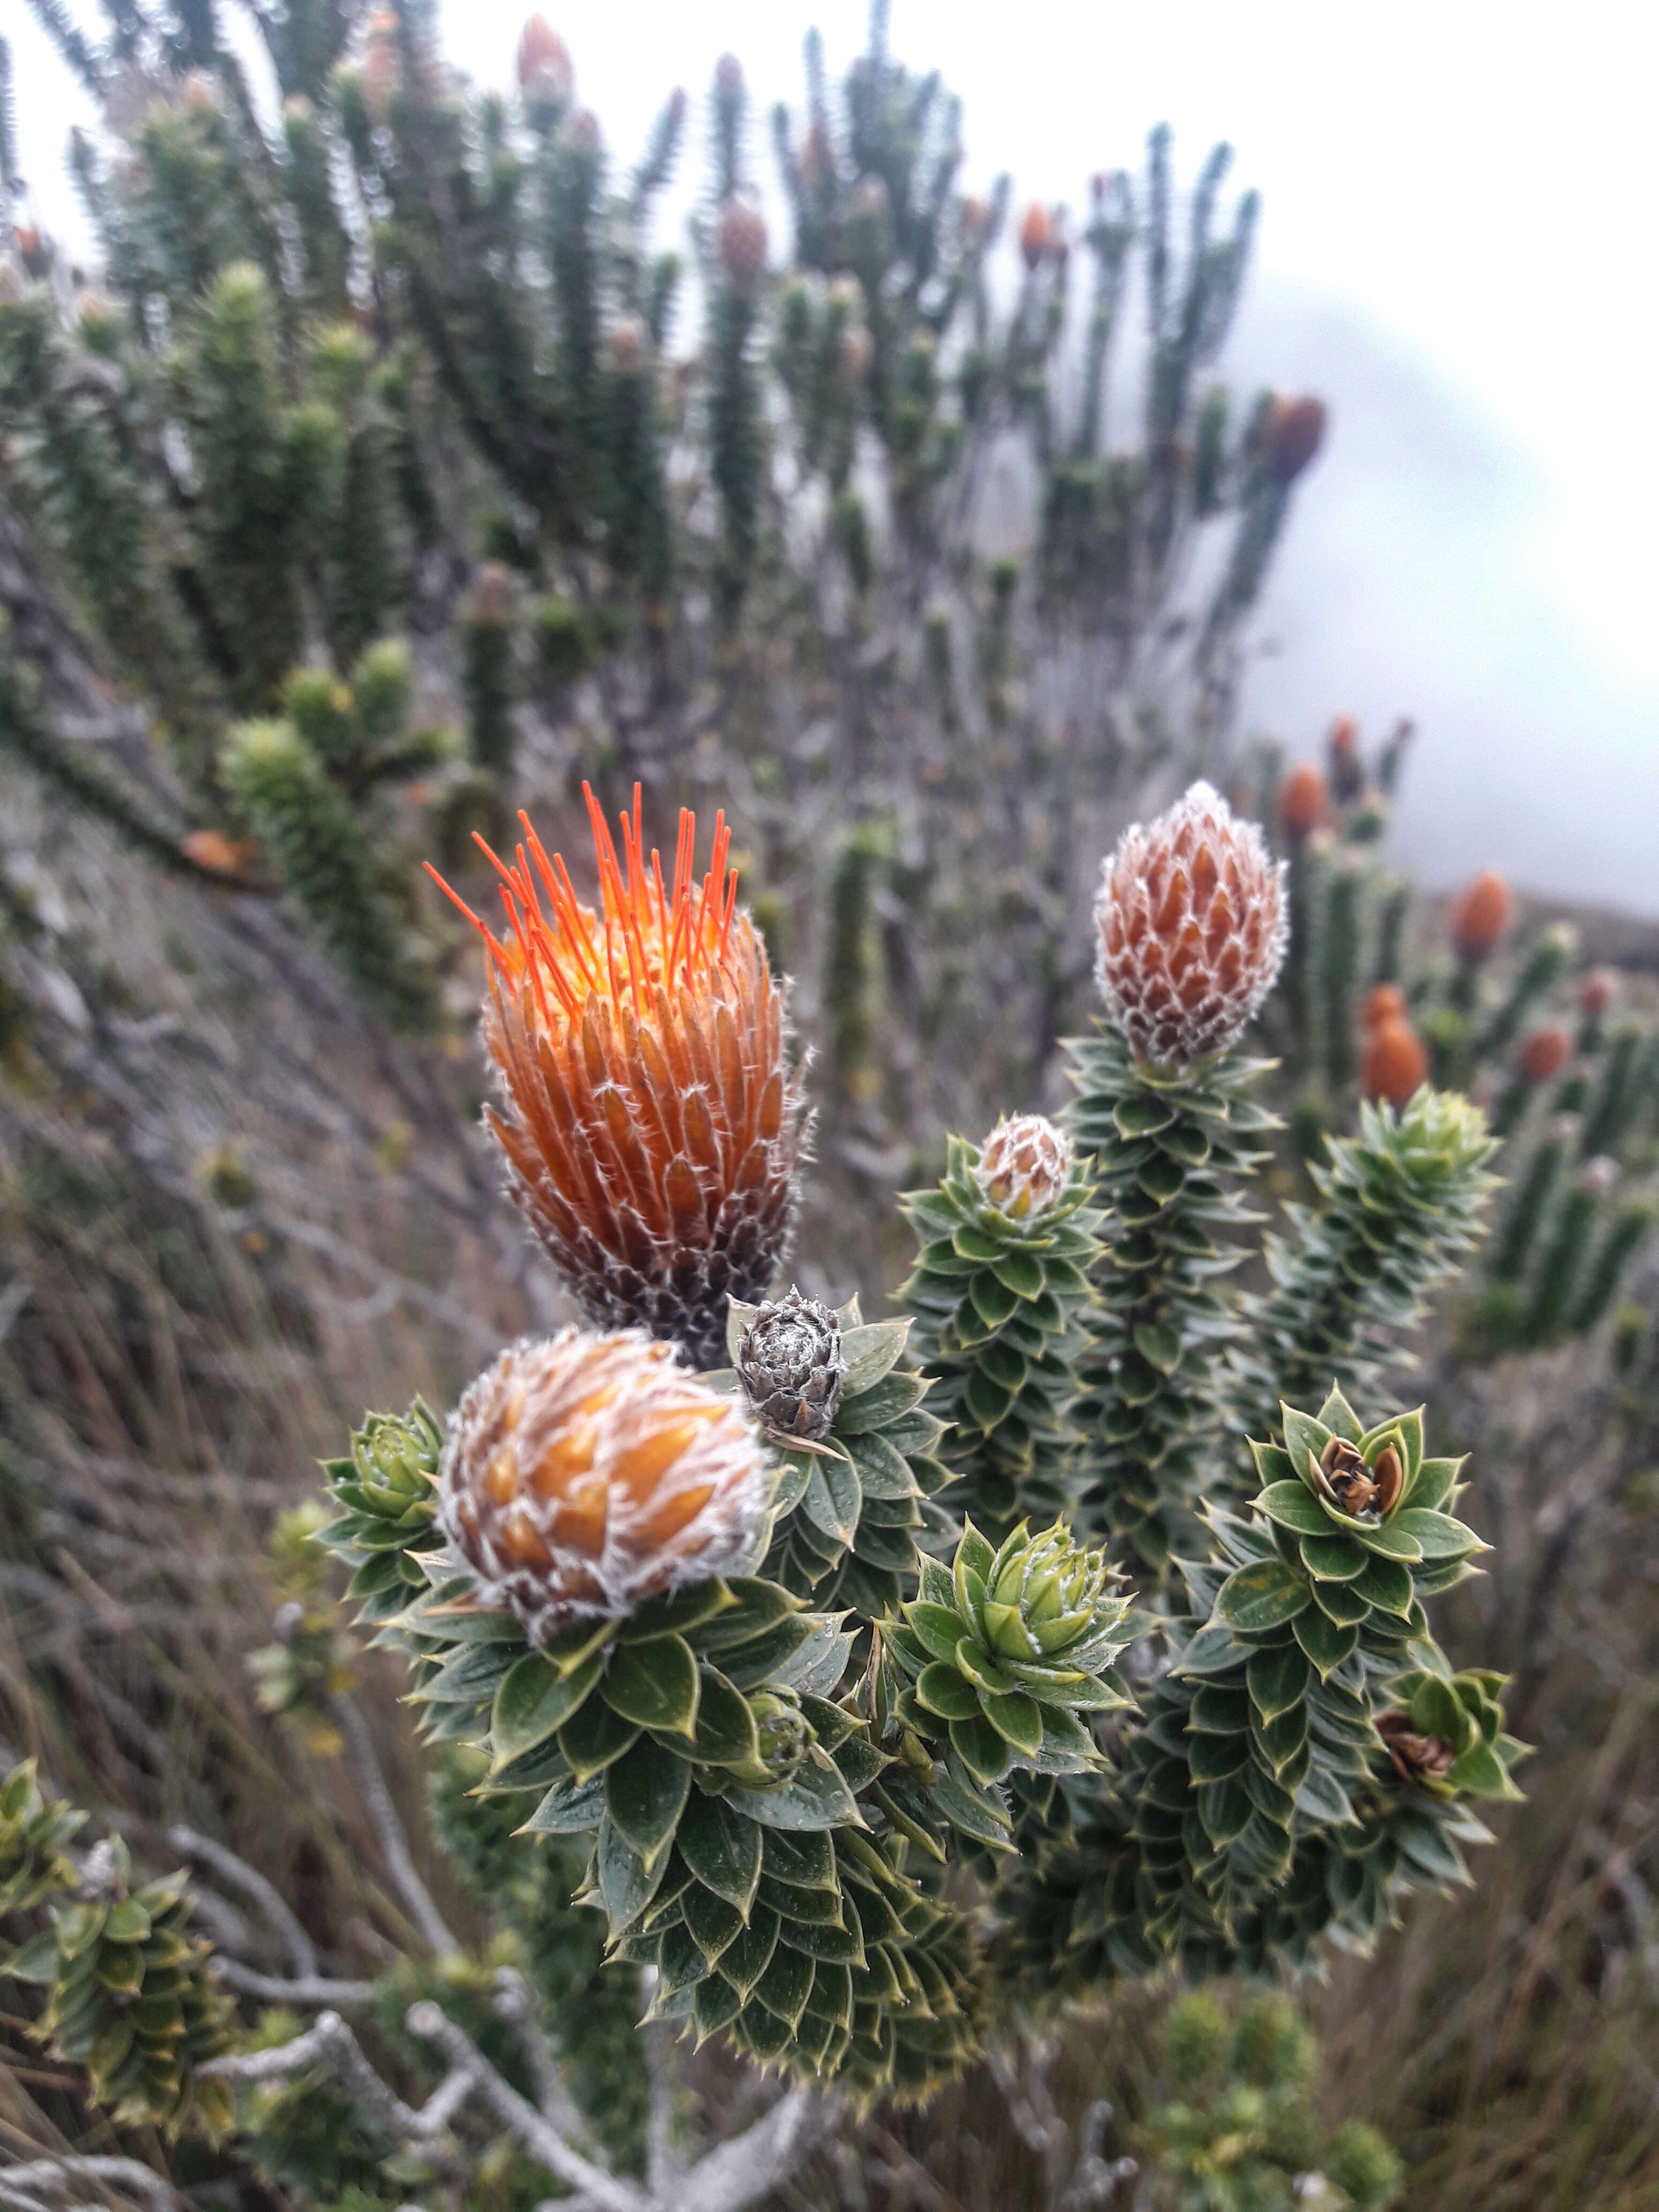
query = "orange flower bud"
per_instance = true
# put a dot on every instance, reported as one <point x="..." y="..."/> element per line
<point x="1393" y="1063"/>
<point x="543" y="65"/>
<point x="1303" y="798"/>
<point x="1482" y="914"/>
<point x="742" y="244"/>
<point x="1294" y="432"/>
<point x="1023" y="1166"/>
<point x="588" y="1473"/>
<point x="1038" y="235"/>
<point x="1192" y="930"/>
<point x="1544" y="1053"/>
<point x="212" y="850"/>
<point x="1347" y="769"/>
<point x="652" y="1128"/>
<point x="1595" y="993"/>
<point x="1386" y="1003"/>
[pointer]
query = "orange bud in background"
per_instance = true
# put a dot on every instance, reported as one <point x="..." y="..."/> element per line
<point x="543" y="66"/>
<point x="1482" y="914"/>
<point x="1595" y="993"/>
<point x="1544" y="1053"/>
<point x="584" y="1474"/>
<point x="1347" y="769"/>
<point x="1037" y="234"/>
<point x="212" y="850"/>
<point x="742" y="244"/>
<point x="1386" y="1003"/>
<point x="1393" y="1063"/>
<point x="1303" y="798"/>
<point x="1294" y="432"/>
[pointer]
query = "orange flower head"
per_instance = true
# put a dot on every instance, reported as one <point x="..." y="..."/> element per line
<point x="1294" y="433"/>
<point x="1393" y="1065"/>
<point x="1481" y="914"/>
<point x="651" y="1128"/>
<point x="1024" y="1164"/>
<point x="1595" y="993"/>
<point x="587" y="1474"/>
<point x="1544" y="1053"/>
<point x="1385" y="1002"/>
<point x="1303" y="798"/>
<point x="1191" y="913"/>
<point x="545" y="72"/>
<point x="1038" y="235"/>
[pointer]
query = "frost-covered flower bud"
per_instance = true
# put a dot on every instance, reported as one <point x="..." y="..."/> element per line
<point x="587" y="1474"/>
<point x="1191" y="913"/>
<point x="793" y="1366"/>
<point x="1024" y="1164"/>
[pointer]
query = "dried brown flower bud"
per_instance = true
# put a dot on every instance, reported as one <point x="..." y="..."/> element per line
<point x="543" y="65"/>
<point x="1192" y="929"/>
<point x="1364" y="1491"/>
<point x="742" y="244"/>
<point x="1024" y="1164"/>
<point x="1416" y="1757"/>
<point x="791" y="1363"/>
<point x="492" y="592"/>
<point x="587" y="1474"/>
<point x="1347" y="769"/>
<point x="1303" y="799"/>
<point x="1544" y="1053"/>
<point x="1293" y="432"/>
<point x="1394" y="1064"/>
<point x="1481" y="914"/>
<point x="653" y="1129"/>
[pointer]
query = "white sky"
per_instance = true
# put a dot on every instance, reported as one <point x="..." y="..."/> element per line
<point x="1457" y="249"/>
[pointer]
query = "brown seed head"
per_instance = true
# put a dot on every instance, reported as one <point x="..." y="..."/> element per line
<point x="1192" y="930"/>
<point x="1394" y="1064"/>
<point x="1596" y="991"/>
<point x="743" y="244"/>
<point x="651" y="1126"/>
<point x="1363" y="1492"/>
<point x="1481" y="914"/>
<point x="587" y="1474"/>
<point x="1038" y="235"/>
<point x="1544" y="1053"/>
<point x="1294" y="432"/>
<point x="1416" y="1757"/>
<point x="1024" y="1164"/>
<point x="543" y="65"/>
<point x="1303" y="799"/>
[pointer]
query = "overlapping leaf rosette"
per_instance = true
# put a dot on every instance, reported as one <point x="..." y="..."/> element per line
<point x="1310" y="1757"/>
<point x="855" y="1446"/>
<point x="1002" y="1660"/>
<point x="1007" y="1239"/>
<point x="129" y="1995"/>
<point x="589" y="1613"/>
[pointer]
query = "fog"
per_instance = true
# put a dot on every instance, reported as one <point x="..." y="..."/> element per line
<point x="1455" y="252"/>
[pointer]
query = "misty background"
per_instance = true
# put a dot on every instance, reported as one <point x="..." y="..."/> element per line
<point x="1455" y="253"/>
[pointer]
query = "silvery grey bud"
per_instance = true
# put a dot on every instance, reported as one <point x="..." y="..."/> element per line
<point x="792" y="1364"/>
